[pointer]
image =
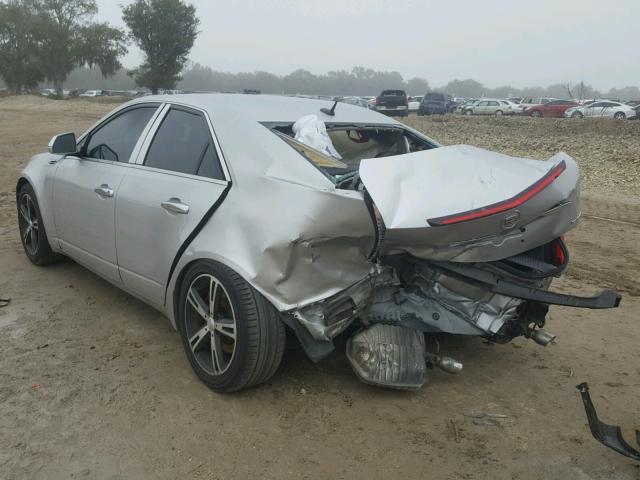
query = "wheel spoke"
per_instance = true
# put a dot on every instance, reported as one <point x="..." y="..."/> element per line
<point x="213" y="294"/>
<point x="216" y="352"/>
<point x="226" y="327"/>
<point x="34" y="238"/>
<point x="194" y="298"/>
<point x="196" y="339"/>
<point x="26" y="233"/>
<point x="24" y="214"/>
<point x="34" y="224"/>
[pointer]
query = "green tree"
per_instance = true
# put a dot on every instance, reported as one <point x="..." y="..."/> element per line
<point x="165" y="31"/>
<point x="20" y="37"/>
<point x="71" y="39"/>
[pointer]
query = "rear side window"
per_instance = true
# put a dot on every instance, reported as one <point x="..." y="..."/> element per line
<point x="116" y="139"/>
<point x="183" y="144"/>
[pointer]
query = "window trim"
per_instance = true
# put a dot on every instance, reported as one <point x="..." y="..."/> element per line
<point x="112" y="116"/>
<point x="155" y="126"/>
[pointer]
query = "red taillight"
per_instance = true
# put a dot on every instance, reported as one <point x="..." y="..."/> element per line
<point x="375" y="101"/>
<point x="559" y="255"/>
<point x="505" y="205"/>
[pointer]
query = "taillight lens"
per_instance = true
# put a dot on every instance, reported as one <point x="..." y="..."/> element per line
<point x="559" y="252"/>
<point x="505" y="205"/>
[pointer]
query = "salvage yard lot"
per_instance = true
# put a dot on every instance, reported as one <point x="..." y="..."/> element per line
<point x="94" y="384"/>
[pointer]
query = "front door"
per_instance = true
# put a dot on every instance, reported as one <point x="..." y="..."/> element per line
<point x="85" y="190"/>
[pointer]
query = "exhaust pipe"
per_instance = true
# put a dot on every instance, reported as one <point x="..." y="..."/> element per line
<point x="542" y="337"/>
<point x="449" y="365"/>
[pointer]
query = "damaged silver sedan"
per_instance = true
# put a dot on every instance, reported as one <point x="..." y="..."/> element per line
<point x="240" y="217"/>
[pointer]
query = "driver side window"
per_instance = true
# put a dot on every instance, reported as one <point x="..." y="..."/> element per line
<point x="116" y="139"/>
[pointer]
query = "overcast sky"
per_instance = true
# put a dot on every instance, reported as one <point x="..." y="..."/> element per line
<point x="497" y="42"/>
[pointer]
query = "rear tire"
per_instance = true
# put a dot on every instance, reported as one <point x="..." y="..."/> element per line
<point x="232" y="335"/>
<point x="32" y="233"/>
<point x="620" y="116"/>
<point x="498" y="113"/>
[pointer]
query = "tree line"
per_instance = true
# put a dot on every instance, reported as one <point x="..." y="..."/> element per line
<point x="45" y="40"/>
<point x="365" y="81"/>
<point x="358" y="81"/>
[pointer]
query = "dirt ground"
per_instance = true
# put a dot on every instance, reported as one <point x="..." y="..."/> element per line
<point x="94" y="384"/>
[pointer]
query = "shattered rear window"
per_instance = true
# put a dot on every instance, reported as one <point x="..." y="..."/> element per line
<point x="355" y="144"/>
<point x="319" y="159"/>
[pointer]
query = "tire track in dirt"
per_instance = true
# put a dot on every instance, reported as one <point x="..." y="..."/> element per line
<point x="605" y="248"/>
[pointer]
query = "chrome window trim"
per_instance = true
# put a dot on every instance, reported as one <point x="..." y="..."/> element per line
<point x="142" y="153"/>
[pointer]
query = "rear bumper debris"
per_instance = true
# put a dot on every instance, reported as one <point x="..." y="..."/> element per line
<point x="608" y="435"/>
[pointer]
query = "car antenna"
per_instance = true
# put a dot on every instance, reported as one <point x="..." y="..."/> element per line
<point x="331" y="112"/>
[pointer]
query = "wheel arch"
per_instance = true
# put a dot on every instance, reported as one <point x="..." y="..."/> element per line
<point x="22" y="181"/>
<point x="189" y="259"/>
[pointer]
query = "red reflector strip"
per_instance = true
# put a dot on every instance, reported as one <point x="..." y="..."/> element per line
<point x="505" y="205"/>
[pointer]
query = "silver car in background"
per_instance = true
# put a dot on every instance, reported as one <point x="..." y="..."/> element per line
<point x="218" y="211"/>
<point x="605" y="108"/>
<point x="488" y="107"/>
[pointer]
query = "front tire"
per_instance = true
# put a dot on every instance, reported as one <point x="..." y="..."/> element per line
<point x="32" y="234"/>
<point x="536" y="114"/>
<point x="231" y="334"/>
<point x="468" y="112"/>
<point x="577" y="115"/>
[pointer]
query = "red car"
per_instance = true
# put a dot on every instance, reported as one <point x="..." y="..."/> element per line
<point x="555" y="108"/>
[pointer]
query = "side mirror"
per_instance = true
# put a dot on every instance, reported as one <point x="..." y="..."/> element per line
<point x="63" y="144"/>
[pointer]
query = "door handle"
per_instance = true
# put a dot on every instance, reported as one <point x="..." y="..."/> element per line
<point x="174" y="205"/>
<point x="104" y="191"/>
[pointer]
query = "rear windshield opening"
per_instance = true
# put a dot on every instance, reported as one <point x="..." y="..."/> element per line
<point x="354" y="145"/>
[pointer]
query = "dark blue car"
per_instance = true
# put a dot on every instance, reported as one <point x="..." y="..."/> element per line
<point x="436" y="103"/>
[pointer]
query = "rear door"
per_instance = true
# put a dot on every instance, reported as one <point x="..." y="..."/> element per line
<point x="481" y="108"/>
<point x="85" y="189"/>
<point x="178" y="177"/>
<point x="595" y="109"/>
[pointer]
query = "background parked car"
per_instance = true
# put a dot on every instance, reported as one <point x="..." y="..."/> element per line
<point x="392" y="102"/>
<point x="460" y="108"/>
<point x="92" y="93"/>
<point x="358" y="101"/>
<point x="488" y="107"/>
<point x="435" y="102"/>
<point x="414" y="103"/>
<point x="554" y="108"/>
<point x="616" y="110"/>
<point x="530" y="102"/>
<point x="515" y="107"/>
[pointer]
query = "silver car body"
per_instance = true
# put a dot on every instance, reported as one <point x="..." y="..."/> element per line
<point x="284" y="225"/>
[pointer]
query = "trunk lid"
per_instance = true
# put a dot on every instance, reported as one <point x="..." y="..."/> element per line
<point x="468" y="204"/>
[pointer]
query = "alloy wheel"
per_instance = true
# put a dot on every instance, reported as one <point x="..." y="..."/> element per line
<point x="28" y="221"/>
<point x="210" y="324"/>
